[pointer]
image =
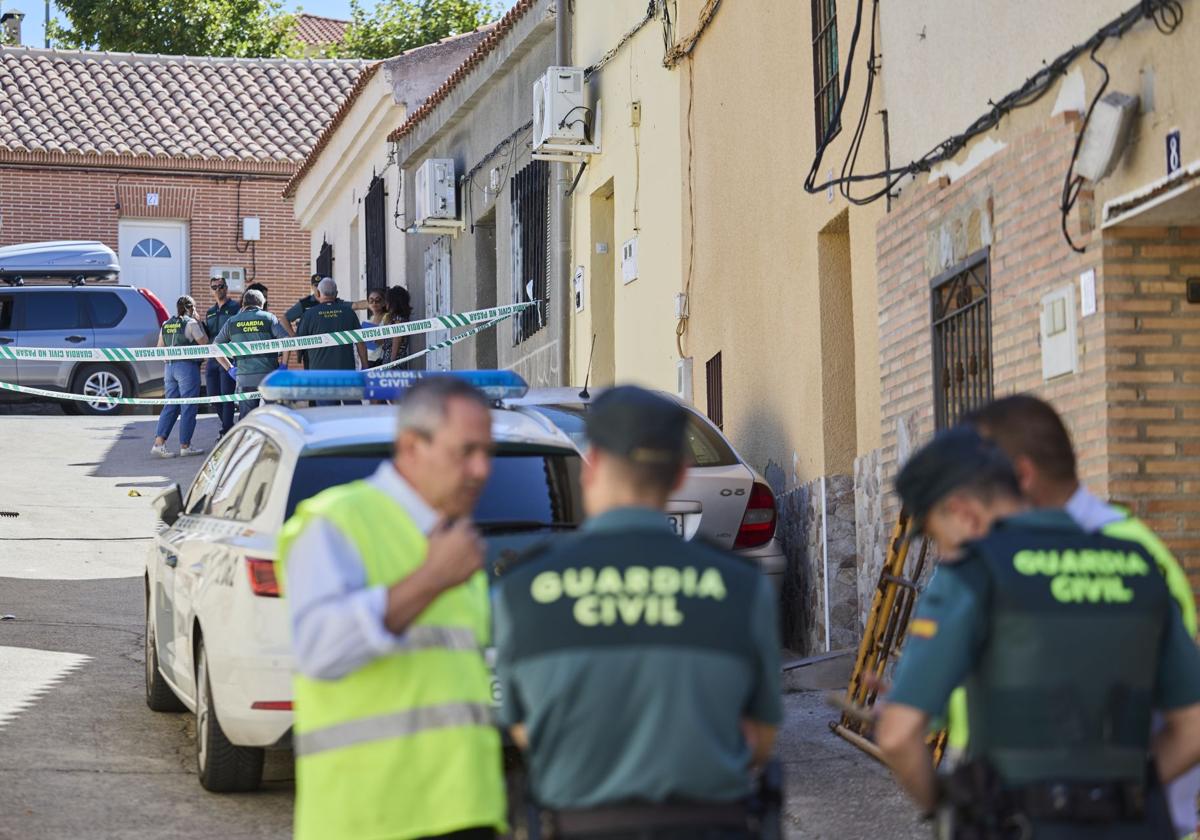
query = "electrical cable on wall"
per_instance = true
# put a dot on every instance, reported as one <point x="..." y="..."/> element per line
<point x="1165" y="14"/>
<point x="237" y="234"/>
<point x="685" y="47"/>
<point x="1073" y="184"/>
<point x="651" y="12"/>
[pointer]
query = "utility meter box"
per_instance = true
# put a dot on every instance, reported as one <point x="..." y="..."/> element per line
<point x="559" y="114"/>
<point x="435" y="190"/>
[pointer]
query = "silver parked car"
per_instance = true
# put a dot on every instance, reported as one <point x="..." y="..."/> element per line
<point x="46" y="300"/>
<point x="723" y="499"/>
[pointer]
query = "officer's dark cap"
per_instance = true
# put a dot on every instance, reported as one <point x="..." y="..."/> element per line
<point x="638" y="426"/>
<point x="954" y="458"/>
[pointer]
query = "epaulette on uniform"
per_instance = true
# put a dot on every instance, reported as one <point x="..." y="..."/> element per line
<point x="510" y="559"/>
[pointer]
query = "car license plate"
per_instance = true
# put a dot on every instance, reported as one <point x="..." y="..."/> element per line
<point x="676" y="521"/>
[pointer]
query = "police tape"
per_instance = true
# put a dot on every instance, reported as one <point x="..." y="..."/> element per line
<point x="226" y="398"/>
<point x="237" y="349"/>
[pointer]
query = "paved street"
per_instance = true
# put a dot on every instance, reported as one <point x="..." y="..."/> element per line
<point x="82" y="756"/>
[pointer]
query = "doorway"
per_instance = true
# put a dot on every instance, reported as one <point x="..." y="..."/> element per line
<point x="154" y="255"/>
<point x="603" y="273"/>
<point x="437" y="299"/>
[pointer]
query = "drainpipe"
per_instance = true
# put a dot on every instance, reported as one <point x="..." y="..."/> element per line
<point x="561" y="218"/>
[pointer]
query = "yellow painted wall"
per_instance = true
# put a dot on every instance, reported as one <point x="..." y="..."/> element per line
<point x="792" y="310"/>
<point x="636" y="180"/>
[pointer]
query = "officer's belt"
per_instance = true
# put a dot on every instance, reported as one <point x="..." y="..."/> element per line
<point x="1081" y="802"/>
<point x="638" y="815"/>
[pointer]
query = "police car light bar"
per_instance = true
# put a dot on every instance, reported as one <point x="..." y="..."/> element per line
<point x="300" y="385"/>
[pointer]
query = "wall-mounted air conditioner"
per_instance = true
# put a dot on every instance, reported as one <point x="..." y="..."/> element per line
<point x="434" y="186"/>
<point x="559" y="114"/>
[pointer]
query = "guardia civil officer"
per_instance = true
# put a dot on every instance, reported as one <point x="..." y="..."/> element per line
<point x="181" y="378"/>
<point x="640" y="672"/>
<point x="217" y="380"/>
<point x="253" y="323"/>
<point x="1066" y="642"/>
<point x="295" y="312"/>
<point x="331" y="315"/>
<point x="389" y="610"/>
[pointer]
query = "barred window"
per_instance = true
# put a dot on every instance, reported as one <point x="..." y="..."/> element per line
<point x="716" y="391"/>
<point x="825" y="67"/>
<point x="531" y="247"/>
<point x="962" y="339"/>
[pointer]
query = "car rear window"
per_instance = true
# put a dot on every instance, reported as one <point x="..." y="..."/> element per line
<point x="107" y="309"/>
<point x="527" y="485"/>
<point x="706" y="446"/>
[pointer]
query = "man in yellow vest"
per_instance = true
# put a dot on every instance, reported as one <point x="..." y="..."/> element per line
<point x="389" y="612"/>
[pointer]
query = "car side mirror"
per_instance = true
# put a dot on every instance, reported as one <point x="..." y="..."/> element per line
<point x="169" y="505"/>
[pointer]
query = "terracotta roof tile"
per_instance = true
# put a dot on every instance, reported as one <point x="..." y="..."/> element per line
<point x="488" y="44"/>
<point x="122" y="104"/>
<point x="318" y="31"/>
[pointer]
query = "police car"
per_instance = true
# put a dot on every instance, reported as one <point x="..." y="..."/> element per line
<point x="217" y="636"/>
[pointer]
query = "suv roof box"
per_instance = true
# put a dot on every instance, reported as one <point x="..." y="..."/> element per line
<point x="65" y="259"/>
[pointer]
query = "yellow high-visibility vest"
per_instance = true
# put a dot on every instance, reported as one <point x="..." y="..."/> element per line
<point x="404" y="746"/>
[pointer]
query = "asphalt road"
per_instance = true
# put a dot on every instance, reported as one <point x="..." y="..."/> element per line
<point x="82" y="756"/>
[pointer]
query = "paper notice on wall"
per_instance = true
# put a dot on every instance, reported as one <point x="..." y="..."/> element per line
<point x="1087" y="293"/>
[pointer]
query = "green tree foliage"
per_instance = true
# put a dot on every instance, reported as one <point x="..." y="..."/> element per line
<point x="394" y="26"/>
<point x="242" y="28"/>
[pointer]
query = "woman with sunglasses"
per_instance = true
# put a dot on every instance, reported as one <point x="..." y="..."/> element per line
<point x="399" y="310"/>
<point x="376" y="312"/>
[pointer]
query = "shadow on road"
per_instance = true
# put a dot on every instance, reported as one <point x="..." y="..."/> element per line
<point x="129" y="455"/>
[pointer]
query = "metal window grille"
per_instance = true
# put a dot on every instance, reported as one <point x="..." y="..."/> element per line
<point x="716" y="396"/>
<point x="376" y="234"/>
<point x="962" y="339"/>
<point x="825" y="67"/>
<point x="531" y="247"/>
<point x="324" y="265"/>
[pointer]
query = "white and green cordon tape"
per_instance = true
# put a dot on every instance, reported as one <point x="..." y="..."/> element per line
<point x="482" y="319"/>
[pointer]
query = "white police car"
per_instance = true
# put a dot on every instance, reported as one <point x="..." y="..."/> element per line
<point x="217" y="637"/>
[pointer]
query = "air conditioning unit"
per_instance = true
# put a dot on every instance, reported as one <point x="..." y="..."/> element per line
<point x="559" y="114"/>
<point x="435" y="190"/>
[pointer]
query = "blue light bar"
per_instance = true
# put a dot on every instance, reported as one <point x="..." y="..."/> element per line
<point x="299" y="385"/>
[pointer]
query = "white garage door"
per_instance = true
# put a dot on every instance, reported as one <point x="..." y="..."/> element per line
<point x="154" y="256"/>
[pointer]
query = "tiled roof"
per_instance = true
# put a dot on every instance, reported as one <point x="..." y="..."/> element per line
<point x="502" y="28"/>
<point x="122" y="108"/>
<point x="364" y="79"/>
<point x="320" y="31"/>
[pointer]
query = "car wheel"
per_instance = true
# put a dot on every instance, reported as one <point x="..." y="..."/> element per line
<point x="159" y="696"/>
<point x="102" y="381"/>
<point x="223" y="767"/>
<point x="69" y="407"/>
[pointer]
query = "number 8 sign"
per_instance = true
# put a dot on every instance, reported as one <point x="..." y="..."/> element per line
<point x="1174" y="153"/>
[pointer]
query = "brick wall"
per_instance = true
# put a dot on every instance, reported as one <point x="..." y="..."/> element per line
<point x="1154" y="383"/>
<point x="1133" y="407"/>
<point x="48" y="203"/>
<point x="1008" y="204"/>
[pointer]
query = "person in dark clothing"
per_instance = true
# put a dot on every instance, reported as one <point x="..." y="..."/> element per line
<point x="639" y="672"/>
<point x="217" y="381"/>
<point x="399" y="310"/>
<point x="291" y="318"/>
<point x="331" y="315"/>
<point x="1066" y="641"/>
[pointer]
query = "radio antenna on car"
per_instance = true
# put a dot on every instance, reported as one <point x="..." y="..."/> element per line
<point x="584" y="395"/>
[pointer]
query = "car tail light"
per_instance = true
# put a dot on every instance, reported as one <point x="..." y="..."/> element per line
<point x="272" y="705"/>
<point x="758" y="524"/>
<point x="160" y="311"/>
<point x="262" y="577"/>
